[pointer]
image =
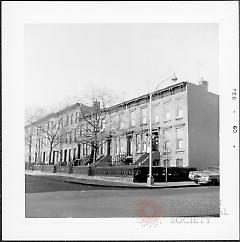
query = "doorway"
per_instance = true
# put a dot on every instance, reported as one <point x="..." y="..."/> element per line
<point x="129" y="145"/>
<point x="108" y="146"/>
<point x="155" y="142"/>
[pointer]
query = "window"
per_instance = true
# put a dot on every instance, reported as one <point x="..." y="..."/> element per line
<point x="166" y="139"/>
<point x="155" y="114"/>
<point x="166" y="111"/>
<point x="179" y="108"/>
<point x="121" y="145"/>
<point x="76" y="117"/>
<point x="179" y="162"/>
<point x="66" y="137"/>
<point x="115" y="146"/>
<point x="103" y="124"/>
<point x="179" y="134"/>
<point x="138" y="143"/>
<point x="180" y="144"/>
<point x="166" y="145"/>
<point x="71" y="118"/>
<point x="144" y="115"/>
<point x="67" y="119"/>
<point x="144" y="141"/>
<point x="61" y="122"/>
<point x="80" y="129"/>
<point x="121" y="121"/>
<point x="75" y="135"/>
<point x="70" y="137"/>
<point x="132" y="118"/>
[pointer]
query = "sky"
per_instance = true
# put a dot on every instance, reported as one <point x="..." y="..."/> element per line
<point x="63" y="61"/>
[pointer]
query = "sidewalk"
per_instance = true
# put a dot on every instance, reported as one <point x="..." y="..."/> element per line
<point x="109" y="181"/>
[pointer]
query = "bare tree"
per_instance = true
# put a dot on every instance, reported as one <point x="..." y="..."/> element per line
<point x="93" y="115"/>
<point x="53" y="131"/>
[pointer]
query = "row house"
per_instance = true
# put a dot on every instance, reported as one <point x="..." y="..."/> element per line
<point x="185" y="130"/>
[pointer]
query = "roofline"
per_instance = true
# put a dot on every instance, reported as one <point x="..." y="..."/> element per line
<point x="119" y="105"/>
<point x="146" y="96"/>
<point x="54" y="114"/>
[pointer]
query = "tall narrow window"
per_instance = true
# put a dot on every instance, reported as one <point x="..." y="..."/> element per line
<point x="76" y="117"/>
<point x="122" y="145"/>
<point x="103" y="124"/>
<point x="71" y="118"/>
<point x="144" y="115"/>
<point x="121" y="121"/>
<point x="179" y="134"/>
<point x="144" y="141"/>
<point x="75" y="135"/>
<point x="166" y="140"/>
<point x="155" y="114"/>
<point x="118" y="144"/>
<point x="179" y="108"/>
<point x="138" y="143"/>
<point x="70" y="137"/>
<point x="80" y="129"/>
<point x="132" y="118"/>
<point x="166" y="111"/>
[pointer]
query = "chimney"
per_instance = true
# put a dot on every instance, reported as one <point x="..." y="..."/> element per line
<point x="96" y="104"/>
<point x="203" y="84"/>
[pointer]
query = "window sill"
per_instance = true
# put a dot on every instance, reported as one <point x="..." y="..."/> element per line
<point x="165" y="121"/>
<point x="179" y="150"/>
<point x="178" y="118"/>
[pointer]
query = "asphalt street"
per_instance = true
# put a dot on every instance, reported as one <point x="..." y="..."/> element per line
<point x="51" y="197"/>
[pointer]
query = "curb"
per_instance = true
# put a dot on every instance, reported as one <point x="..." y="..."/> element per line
<point x="129" y="186"/>
<point x="100" y="183"/>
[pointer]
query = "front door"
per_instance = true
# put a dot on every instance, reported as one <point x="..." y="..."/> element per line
<point x="53" y="157"/>
<point x="155" y="142"/>
<point x="108" y="146"/>
<point x="129" y="145"/>
<point x="79" y="149"/>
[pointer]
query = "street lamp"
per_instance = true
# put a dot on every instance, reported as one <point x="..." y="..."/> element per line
<point x="150" y="179"/>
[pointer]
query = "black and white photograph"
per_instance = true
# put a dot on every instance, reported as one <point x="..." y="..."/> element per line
<point x="122" y="121"/>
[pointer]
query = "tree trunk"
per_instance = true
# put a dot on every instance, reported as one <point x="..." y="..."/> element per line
<point x="50" y="156"/>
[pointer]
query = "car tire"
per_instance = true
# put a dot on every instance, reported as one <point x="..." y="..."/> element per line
<point x="213" y="182"/>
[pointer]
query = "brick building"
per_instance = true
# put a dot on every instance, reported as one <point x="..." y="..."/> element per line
<point x="185" y="128"/>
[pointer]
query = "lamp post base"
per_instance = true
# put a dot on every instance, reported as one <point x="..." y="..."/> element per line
<point x="150" y="180"/>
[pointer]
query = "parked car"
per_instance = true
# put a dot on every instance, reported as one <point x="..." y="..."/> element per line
<point x="210" y="176"/>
